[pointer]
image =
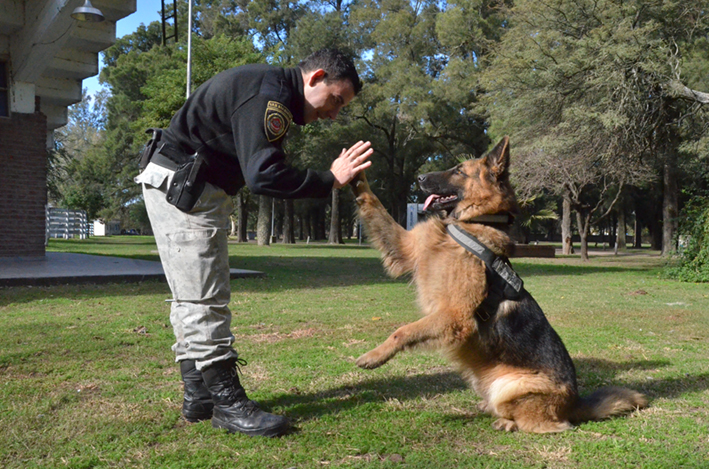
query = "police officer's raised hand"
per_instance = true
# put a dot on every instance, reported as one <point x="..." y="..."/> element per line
<point x="351" y="162"/>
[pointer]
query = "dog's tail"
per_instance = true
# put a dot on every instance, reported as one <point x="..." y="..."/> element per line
<point x="607" y="402"/>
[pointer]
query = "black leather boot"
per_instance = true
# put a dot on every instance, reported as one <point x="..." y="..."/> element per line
<point x="197" y="404"/>
<point x="232" y="409"/>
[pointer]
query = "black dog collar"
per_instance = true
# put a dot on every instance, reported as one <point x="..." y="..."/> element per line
<point x="498" y="219"/>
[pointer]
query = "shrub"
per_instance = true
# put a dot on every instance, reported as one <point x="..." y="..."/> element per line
<point x="694" y="257"/>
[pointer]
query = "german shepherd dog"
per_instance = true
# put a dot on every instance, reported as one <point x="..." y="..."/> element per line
<point x="506" y="349"/>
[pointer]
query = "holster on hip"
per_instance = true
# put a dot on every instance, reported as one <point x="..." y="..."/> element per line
<point x="187" y="184"/>
<point x="189" y="179"/>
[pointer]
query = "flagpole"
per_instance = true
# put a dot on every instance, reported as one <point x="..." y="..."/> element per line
<point x="189" y="47"/>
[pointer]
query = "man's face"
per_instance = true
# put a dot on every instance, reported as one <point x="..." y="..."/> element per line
<point x="324" y="98"/>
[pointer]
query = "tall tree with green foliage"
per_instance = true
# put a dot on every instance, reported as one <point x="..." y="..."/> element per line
<point x="406" y="109"/>
<point x="591" y="87"/>
<point x="74" y="167"/>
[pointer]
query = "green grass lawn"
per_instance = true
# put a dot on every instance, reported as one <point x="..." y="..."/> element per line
<point x="87" y="377"/>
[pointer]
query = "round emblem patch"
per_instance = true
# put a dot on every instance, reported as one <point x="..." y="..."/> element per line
<point x="275" y="124"/>
<point x="276" y="121"/>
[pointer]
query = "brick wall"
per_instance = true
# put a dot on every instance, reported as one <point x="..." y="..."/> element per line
<point x="23" y="185"/>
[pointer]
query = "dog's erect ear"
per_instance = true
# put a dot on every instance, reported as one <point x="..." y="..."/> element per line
<point x="498" y="160"/>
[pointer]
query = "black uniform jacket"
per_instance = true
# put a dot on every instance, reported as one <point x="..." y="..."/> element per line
<point x="237" y="120"/>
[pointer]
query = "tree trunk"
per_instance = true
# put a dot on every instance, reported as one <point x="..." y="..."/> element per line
<point x="242" y="216"/>
<point x="277" y="224"/>
<point x="638" y="234"/>
<point x="263" y="230"/>
<point x="233" y="225"/>
<point x="583" y="222"/>
<point x="566" y="233"/>
<point x="319" y="228"/>
<point x="288" y="222"/>
<point x="620" y="234"/>
<point x="670" y="206"/>
<point x="335" y="231"/>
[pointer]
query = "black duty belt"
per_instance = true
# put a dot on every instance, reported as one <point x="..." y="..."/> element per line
<point x="166" y="156"/>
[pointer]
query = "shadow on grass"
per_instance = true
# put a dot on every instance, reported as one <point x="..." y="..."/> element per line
<point x="371" y="391"/>
<point x="547" y="270"/>
<point x="368" y="392"/>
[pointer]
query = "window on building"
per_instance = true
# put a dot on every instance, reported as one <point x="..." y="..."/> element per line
<point x="4" y="107"/>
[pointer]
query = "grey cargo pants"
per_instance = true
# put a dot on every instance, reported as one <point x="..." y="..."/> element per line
<point x="194" y="256"/>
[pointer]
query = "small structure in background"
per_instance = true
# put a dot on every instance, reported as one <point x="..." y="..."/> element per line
<point x="414" y="213"/>
<point x="65" y="223"/>
<point x="110" y="228"/>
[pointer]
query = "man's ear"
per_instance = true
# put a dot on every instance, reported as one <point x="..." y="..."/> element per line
<point x="316" y="76"/>
<point x="498" y="159"/>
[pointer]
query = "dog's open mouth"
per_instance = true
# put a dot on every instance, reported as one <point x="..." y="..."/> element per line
<point x="440" y="202"/>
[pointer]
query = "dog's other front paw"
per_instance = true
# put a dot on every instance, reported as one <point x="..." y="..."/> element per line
<point x="484" y="407"/>
<point x="371" y="360"/>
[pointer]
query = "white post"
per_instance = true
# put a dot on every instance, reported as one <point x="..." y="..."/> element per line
<point x="189" y="47"/>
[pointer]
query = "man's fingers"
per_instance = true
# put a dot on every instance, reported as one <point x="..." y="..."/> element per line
<point x="363" y="166"/>
<point x="367" y="154"/>
<point x="359" y="147"/>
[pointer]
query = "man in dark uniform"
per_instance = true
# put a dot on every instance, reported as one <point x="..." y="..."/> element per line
<point x="229" y="134"/>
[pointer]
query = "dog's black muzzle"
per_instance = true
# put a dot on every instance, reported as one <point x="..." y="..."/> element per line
<point x="436" y="182"/>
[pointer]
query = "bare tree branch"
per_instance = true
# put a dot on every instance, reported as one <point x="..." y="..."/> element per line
<point x="679" y="90"/>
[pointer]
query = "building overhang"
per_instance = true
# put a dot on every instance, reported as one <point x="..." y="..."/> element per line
<point x="49" y="53"/>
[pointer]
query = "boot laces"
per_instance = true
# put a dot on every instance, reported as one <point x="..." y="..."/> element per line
<point x="250" y="407"/>
<point x="238" y="363"/>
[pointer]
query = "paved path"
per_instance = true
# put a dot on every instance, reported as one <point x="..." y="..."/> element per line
<point x="58" y="268"/>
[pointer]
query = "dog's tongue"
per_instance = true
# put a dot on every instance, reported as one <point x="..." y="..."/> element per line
<point x="430" y="200"/>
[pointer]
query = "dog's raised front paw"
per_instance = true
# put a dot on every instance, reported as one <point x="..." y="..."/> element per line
<point x="359" y="184"/>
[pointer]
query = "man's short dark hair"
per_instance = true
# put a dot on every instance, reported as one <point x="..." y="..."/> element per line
<point x="336" y="64"/>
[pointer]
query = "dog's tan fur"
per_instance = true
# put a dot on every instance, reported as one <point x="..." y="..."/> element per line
<point x="537" y="394"/>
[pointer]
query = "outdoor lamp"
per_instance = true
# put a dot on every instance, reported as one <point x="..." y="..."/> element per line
<point x="87" y="12"/>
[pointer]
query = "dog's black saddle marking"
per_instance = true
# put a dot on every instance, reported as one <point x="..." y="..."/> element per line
<point x="501" y="276"/>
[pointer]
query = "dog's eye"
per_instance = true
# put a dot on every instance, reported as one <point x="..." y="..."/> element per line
<point x="459" y="172"/>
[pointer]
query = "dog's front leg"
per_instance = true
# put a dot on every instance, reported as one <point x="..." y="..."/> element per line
<point x="394" y="242"/>
<point x="426" y="331"/>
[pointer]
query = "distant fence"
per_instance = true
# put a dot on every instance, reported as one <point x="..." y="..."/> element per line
<point x="64" y="223"/>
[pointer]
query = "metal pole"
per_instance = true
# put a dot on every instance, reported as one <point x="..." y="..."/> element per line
<point x="189" y="46"/>
<point x="164" y="40"/>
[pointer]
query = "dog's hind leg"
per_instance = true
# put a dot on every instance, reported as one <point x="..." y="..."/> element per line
<point x="528" y="400"/>
<point x="534" y="413"/>
<point x="436" y="327"/>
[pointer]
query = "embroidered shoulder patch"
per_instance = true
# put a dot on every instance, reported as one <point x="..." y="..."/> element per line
<point x="276" y="121"/>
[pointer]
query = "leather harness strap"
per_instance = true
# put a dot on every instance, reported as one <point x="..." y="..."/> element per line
<point x="501" y="275"/>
